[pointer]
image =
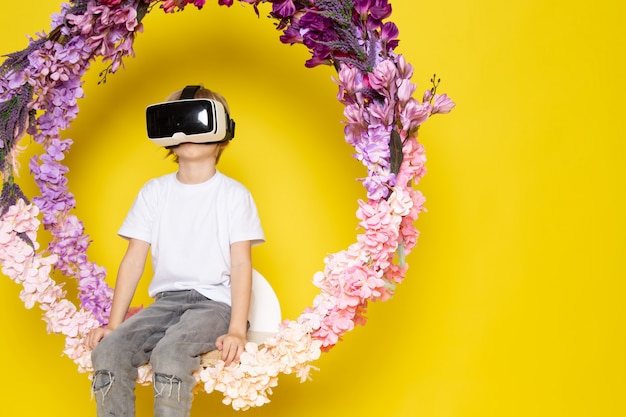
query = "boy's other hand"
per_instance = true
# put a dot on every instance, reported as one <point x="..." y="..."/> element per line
<point x="96" y="335"/>
<point x="231" y="346"/>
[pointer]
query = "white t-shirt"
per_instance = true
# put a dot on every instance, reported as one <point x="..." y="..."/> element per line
<point x="190" y="228"/>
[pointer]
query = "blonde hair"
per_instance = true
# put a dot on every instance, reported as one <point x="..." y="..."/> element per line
<point x="201" y="93"/>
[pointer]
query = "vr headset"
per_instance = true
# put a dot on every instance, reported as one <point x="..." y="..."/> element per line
<point x="189" y="119"/>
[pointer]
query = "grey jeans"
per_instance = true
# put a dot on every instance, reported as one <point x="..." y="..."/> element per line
<point x="172" y="333"/>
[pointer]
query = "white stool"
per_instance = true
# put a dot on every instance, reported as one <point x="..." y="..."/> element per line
<point x="264" y="315"/>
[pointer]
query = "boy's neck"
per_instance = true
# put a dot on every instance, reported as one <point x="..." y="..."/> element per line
<point x="195" y="173"/>
<point x="196" y="162"/>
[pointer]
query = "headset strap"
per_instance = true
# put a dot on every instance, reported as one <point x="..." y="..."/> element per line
<point x="189" y="92"/>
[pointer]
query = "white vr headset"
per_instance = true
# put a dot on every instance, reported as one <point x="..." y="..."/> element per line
<point x="197" y="120"/>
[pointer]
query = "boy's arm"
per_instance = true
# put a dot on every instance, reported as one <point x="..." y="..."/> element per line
<point x="128" y="276"/>
<point x="233" y="343"/>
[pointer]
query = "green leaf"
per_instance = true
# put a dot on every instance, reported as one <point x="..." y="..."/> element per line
<point x="395" y="152"/>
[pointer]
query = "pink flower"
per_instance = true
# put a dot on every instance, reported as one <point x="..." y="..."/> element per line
<point x="76" y="350"/>
<point x="383" y="77"/>
<point x="442" y="104"/>
<point x="350" y="80"/>
<point x="400" y="202"/>
<point x="382" y="113"/>
<point x="249" y="384"/>
<point x="355" y="116"/>
<point x="38" y="286"/>
<point x="405" y="90"/>
<point x="405" y="70"/>
<point x="60" y="318"/>
<point x="413" y="166"/>
<point x="373" y="214"/>
<point x="414" y="114"/>
<point x="144" y="375"/>
<point x="22" y="217"/>
<point x="168" y="6"/>
<point x="6" y="232"/>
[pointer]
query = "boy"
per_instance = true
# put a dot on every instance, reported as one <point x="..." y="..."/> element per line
<point x="200" y="226"/>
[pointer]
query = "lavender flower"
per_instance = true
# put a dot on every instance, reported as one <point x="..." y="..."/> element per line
<point x="53" y="67"/>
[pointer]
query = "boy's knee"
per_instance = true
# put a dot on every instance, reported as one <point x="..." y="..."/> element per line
<point x="164" y="385"/>
<point x="102" y="382"/>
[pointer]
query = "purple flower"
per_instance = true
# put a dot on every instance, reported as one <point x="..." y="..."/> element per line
<point x="380" y="9"/>
<point x="57" y="148"/>
<point x="376" y="188"/>
<point x="283" y="8"/>
<point x="291" y="35"/>
<point x="362" y="7"/>
<point x="388" y="34"/>
<point x="318" y="59"/>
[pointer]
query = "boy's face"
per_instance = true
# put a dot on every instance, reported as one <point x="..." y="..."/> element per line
<point x="196" y="152"/>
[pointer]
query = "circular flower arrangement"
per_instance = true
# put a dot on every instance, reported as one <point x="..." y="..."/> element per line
<point x="39" y="89"/>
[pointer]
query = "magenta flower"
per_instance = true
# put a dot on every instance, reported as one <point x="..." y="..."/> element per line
<point x="362" y="7"/>
<point x="389" y="34"/>
<point x="283" y="8"/>
<point x="380" y="9"/>
<point x="291" y="35"/>
<point x="110" y="3"/>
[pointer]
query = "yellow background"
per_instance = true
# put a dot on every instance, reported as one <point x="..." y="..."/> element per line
<point x="513" y="305"/>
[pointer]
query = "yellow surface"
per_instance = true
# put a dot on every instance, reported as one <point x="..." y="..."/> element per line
<point x="513" y="305"/>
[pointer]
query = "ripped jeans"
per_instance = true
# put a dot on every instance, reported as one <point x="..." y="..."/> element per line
<point x="172" y="333"/>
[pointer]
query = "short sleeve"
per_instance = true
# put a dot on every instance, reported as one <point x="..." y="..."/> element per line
<point x="139" y="221"/>
<point x="245" y="223"/>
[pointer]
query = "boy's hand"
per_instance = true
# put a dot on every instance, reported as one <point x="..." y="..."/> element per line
<point x="232" y="346"/>
<point x="96" y="335"/>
